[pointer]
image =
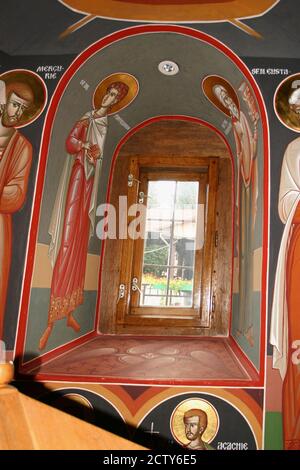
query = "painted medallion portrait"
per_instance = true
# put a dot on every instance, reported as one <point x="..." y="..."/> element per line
<point x="28" y="84"/>
<point x="287" y="102"/>
<point x="194" y="424"/>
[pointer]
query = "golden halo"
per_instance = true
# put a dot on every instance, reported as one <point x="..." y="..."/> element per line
<point x="126" y="78"/>
<point x="38" y="88"/>
<point x="76" y="405"/>
<point x="282" y="108"/>
<point x="81" y="400"/>
<point x="208" y="84"/>
<point x="177" y="424"/>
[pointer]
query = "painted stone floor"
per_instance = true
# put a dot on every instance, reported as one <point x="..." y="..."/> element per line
<point x="137" y="358"/>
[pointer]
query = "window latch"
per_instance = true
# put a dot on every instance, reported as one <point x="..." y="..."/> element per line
<point x="131" y="179"/>
<point x="134" y="285"/>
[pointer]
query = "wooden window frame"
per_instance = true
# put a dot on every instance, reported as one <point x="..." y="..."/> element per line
<point x="129" y="313"/>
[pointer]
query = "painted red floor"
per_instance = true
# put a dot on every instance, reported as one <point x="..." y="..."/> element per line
<point x="149" y="359"/>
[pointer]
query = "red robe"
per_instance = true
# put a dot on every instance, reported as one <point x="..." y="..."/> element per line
<point x="15" y="163"/>
<point x="70" y="265"/>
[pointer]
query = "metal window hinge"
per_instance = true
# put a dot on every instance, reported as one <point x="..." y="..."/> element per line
<point x="142" y="197"/>
<point x="216" y="238"/>
<point x="121" y="292"/>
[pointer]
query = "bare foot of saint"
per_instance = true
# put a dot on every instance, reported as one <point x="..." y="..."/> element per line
<point x="249" y="336"/>
<point x="45" y="337"/>
<point x="73" y="323"/>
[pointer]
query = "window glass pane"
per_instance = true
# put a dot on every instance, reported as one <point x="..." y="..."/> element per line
<point x="154" y="287"/>
<point x="169" y="251"/>
<point x="181" y="288"/>
<point x="161" y="195"/>
<point x="186" y="194"/>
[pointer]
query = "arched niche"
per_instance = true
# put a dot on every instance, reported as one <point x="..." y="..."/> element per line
<point x="177" y="137"/>
<point x="138" y="51"/>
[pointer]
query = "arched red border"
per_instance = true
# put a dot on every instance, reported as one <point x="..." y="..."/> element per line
<point x="83" y="57"/>
<point x="113" y="163"/>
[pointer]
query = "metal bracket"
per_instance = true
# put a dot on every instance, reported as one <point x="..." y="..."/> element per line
<point x="121" y="292"/>
<point x="131" y="179"/>
<point x="142" y="197"/>
<point x="134" y="285"/>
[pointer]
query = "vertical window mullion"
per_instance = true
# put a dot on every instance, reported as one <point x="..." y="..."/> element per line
<point x="123" y="306"/>
<point x="171" y="246"/>
<point x="206" y="288"/>
<point x="139" y="247"/>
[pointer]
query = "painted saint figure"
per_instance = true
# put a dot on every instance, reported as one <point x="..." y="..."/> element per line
<point x="195" y="422"/>
<point x="223" y="96"/>
<point x="73" y="218"/>
<point x="18" y="107"/>
<point x="287" y="102"/>
<point x="285" y="324"/>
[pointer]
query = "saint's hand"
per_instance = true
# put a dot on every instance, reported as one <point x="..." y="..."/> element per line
<point x="94" y="152"/>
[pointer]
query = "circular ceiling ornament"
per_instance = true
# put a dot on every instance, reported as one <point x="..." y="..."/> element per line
<point x="168" y="67"/>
